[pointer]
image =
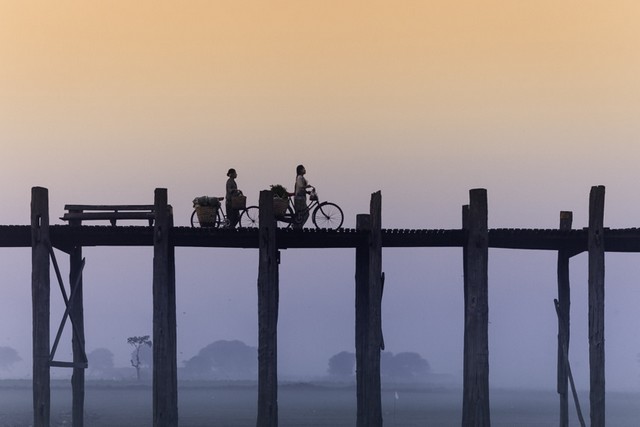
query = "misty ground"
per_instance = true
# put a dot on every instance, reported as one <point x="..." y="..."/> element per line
<point x="117" y="403"/>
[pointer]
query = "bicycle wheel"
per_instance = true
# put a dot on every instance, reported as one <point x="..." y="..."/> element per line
<point x="221" y="220"/>
<point x="196" y="223"/>
<point x="289" y="216"/>
<point x="328" y="215"/>
<point x="250" y="217"/>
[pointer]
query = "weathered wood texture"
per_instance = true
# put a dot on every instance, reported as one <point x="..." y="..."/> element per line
<point x="372" y="415"/>
<point x="112" y="213"/>
<point x="596" y="306"/>
<point x="165" y="368"/>
<point x="475" y="406"/>
<point x="268" y="299"/>
<point x="40" y="293"/>
<point x="564" y="304"/>
<point x="78" y="339"/>
<point x="363" y="223"/>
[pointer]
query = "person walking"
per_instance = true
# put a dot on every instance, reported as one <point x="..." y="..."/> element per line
<point x="233" y="215"/>
<point x="300" y="197"/>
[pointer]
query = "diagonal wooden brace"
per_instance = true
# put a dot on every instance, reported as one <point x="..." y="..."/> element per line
<point x="68" y="301"/>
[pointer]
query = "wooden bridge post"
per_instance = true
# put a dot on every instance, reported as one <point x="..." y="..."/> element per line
<point x="165" y="368"/>
<point x="268" y="297"/>
<point x="564" y="304"/>
<point x="78" y="338"/>
<point x="363" y="223"/>
<point x="596" y="305"/>
<point x="475" y="405"/>
<point x="41" y="305"/>
<point x="372" y="399"/>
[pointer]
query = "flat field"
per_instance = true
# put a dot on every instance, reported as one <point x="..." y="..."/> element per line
<point x="300" y="405"/>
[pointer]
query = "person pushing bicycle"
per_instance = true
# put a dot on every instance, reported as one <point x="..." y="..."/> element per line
<point x="233" y="215"/>
<point x="300" y="197"/>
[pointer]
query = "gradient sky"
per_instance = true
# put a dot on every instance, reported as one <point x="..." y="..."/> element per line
<point x="101" y="102"/>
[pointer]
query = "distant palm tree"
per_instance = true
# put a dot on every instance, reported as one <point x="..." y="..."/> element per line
<point x="138" y="342"/>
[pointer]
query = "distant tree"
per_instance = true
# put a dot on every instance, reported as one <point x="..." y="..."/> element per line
<point x="138" y="343"/>
<point x="409" y="365"/>
<point x="227" y="359"/>
<point x="342" y="364"/>
<point x="386" y="361"/>
<point x="198" y="366"/>
<point x="146" y="356"/>
<point x="8" y="357"/>
<point x="403" y="366"/>
<point x="100" y="362"/>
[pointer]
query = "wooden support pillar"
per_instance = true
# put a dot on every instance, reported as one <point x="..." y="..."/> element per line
<point x="564" y="304"/>
<point x="596" y="305"/>
<point x="475" y="404"/>
<point x="268" y="297"/>
<point x="372" y="398"/>
<point x="78" y="339"/>
<point x="363" y="223"/>
<point x="41" y="305"/>
<point x="165" y="368"/>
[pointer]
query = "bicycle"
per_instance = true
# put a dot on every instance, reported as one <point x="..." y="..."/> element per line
<point x="325" y="214"/>
<point x="208" y="212"/>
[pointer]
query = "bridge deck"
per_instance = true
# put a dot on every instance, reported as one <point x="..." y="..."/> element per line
<point x="65" y="236"/>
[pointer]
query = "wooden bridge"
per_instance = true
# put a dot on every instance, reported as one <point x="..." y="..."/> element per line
<point x="368" y="239"/>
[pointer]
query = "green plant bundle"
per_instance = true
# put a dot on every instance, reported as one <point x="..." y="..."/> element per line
<point x="279" y="191"/>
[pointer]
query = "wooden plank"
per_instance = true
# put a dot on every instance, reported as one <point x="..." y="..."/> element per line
<point x="268" y="300"/>
<point x="564" y="304"/>
<point x="422" y="238"/>
<point x="15" y="236"/>
<point x="596" y="306"/>
<point x="312" y="238"/>
<point x="59" y="364"/>
<point x="540" y="239"/>
<point x="109" y="207"/>
<point x="64" y="237"/>
<point x="107" y="215"/>
<point x="373" y="399"/>
<point x="622" y="240"/>
<point x="41" y="304"/>
<point x="475" y="406"/>
<point x="165" y="367"/>
<point x="363" y="224"/>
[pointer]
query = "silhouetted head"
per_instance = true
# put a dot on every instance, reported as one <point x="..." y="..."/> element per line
<point x="231" y="171"/>
<point x="300" y="170"/>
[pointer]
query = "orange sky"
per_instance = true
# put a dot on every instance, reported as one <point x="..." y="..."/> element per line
<point x="382" y="84"/>
<point x="259" y="49"/>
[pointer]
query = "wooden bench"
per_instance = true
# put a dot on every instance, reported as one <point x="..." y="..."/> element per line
<point x="111" y="213"/>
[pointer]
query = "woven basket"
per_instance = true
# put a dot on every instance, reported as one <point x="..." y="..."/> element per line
<point x="280" y="206"/>
<point x="206" y="215"/>
<point x="238" y="202"/>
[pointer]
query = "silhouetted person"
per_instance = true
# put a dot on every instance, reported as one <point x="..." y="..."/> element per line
<point x="300" y="197"/>
<point x="233" y="215"/>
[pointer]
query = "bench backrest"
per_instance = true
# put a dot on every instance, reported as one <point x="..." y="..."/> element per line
<point x="111" y="213"/>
